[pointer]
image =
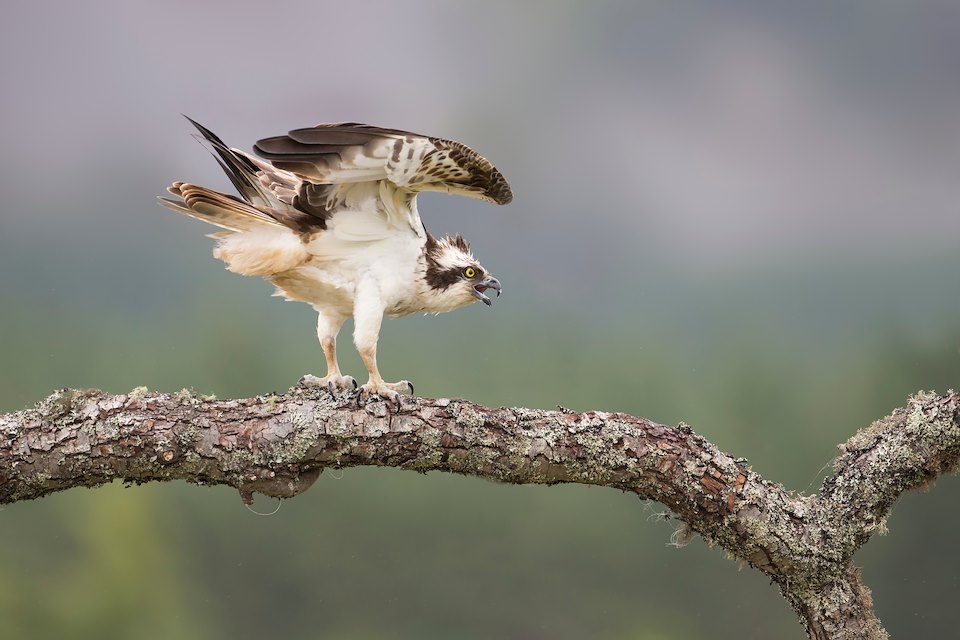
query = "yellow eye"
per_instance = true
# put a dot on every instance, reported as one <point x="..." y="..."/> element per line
<point x="469" y="272"/>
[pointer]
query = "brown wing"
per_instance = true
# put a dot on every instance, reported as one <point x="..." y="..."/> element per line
<point x="349" y="152"/>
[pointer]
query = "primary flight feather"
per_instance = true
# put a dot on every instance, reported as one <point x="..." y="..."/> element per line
<point x="329" y="216"/>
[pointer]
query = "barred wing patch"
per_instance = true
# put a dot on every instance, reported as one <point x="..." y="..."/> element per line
<point x="332" y="154"/>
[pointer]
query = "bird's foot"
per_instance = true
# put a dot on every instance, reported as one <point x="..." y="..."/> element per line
<point x="386" y="390"/>
<point x="332" y="383"/>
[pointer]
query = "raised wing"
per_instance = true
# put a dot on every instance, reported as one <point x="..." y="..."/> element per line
<point x="331" y="154"/>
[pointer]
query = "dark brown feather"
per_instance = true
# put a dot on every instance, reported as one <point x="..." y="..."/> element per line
<point x="240" y="170"/>
<point x="282" y="147"/>
<point x="480" y="172"/>
<point x="316" y="200"/>
<point x="346" y="133"/>
<point x="312" y="201"/>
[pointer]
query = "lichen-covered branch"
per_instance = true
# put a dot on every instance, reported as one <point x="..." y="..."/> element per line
<point x="278" y="446"/>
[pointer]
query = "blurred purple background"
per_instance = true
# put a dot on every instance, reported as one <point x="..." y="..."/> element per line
<point x="720" y="134"/>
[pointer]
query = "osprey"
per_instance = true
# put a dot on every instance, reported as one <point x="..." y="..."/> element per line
<point x="329" y="216"/>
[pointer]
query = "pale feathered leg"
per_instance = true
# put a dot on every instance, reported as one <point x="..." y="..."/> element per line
<point x="328" y="326"/>
<point x="367" y="317"/>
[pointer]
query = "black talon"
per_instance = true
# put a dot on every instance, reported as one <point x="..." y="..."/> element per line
<point x="354" y="381"/>
<point x="410" y="384"/>
<point x="330" y="387"/>
<point x="396" y="398"/>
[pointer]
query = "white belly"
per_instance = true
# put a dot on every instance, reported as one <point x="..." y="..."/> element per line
<point x="339" y="262"/>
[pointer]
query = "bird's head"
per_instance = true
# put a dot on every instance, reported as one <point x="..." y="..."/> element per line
<point x="454" y="278"/>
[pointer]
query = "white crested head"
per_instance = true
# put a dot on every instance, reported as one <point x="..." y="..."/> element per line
<point x="453" y="278"/>
<point x="452" y="253"/>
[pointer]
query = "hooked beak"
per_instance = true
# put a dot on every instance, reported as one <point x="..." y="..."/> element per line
<point x="487" y="283"/>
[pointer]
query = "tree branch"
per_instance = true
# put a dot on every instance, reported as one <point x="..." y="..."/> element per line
<point x="278" y="446"/>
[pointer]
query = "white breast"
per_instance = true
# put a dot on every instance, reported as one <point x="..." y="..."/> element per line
<point x="367" y="238"/>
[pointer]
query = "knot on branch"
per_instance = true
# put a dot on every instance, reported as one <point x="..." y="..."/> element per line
<point x="274" y="485"/>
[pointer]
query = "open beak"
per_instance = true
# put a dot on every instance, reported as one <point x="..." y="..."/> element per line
<point x="479" y="289"/>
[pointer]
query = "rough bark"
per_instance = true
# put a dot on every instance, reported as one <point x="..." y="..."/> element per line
<point x="278" y="446"/>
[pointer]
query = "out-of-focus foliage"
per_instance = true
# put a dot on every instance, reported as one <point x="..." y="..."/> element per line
<point x="743" y="218"/>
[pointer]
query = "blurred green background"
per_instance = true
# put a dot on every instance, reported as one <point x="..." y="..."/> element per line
<point x="738" y="215"/>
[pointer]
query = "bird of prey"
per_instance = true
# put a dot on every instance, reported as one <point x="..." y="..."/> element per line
<point x="328" y="214"/>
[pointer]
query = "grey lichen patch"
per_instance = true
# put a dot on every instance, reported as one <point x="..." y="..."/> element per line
<point x="466" y="415"/>
<point x="293" y="450"/>
<point x="340" y="423"/>
<point x="312" y="417"/>
<point x="324" y="407"/>
<point x="597" y="444"/>
<point x="432" y="438"/>
<point x="548" y="434"/>
<point x="373" y="427"/>
<point x="189" y="434"/>
<point x="108" y="428"/>
<point x="377" y="408"/>
<point x="305" y="406"/>
<point x="429" y="458"/>
<point x="238" y="460"/>
<point x="300" y="435"/>
<point x="525" y="415"/>
<point x="300" y="416"/>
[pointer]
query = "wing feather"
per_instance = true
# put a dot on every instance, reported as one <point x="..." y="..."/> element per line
<point x="330" y="154"/>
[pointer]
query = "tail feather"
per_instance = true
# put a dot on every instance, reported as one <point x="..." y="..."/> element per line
<point x="217" y="208"/>
<point x="254" y="243"/>
<point x="262" y="232"/>
<point x="267" y="192"/>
